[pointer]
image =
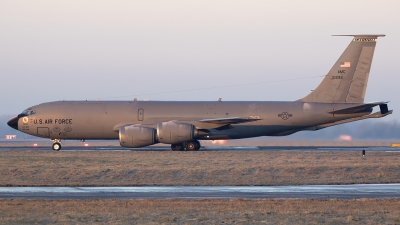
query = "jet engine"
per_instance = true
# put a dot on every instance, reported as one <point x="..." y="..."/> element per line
<point x="174" y="133"/>
<point x="135" y="136"/>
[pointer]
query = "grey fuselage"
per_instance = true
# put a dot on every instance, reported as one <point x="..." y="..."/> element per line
<point x="101" y="119"/>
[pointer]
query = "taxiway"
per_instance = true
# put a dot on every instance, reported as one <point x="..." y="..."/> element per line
<point x="200" y="192"/>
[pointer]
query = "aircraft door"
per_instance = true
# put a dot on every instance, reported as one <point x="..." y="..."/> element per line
<point x="43" y="131"/>
<point x="140" y="114"/>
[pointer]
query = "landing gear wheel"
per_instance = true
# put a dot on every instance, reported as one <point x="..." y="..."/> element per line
<point x="190" y="145"/>
<point x="56" y="146"/>
<point x="177" y="147"/>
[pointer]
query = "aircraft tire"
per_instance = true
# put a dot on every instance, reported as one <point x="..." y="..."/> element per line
<point x="177" y="147"/>
<point x="56" y="146"/>
<point x="191" y="145"/>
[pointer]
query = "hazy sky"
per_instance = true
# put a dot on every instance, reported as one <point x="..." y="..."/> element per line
<point x="84" y="50"/>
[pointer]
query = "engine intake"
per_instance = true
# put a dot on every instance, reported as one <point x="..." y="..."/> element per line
<point x="174" y="133"/>
<point x="135" y="136"/>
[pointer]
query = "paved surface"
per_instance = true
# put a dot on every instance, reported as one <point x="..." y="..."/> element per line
<point x="308" y="191"/>
<point x="47" y="147"/>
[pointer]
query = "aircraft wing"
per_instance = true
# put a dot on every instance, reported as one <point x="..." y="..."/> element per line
<point x="220" y="123"/>
<point x="231" y="120"/>
<point x="217" y="123"/>
<point x="360" y="108"/>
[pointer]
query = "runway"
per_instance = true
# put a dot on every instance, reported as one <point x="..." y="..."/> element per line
<point x="204" y="148"/>
<point x="201" y="192"/>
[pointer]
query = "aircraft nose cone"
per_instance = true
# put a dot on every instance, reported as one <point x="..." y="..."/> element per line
<point x="13" y="122"/>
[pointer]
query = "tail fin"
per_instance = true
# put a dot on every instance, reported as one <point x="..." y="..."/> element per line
<point x="347" y="81"/>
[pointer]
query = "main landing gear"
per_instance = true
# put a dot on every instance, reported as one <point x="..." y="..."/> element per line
<point x="188" y="146"/>
<point x="57" y="144"/>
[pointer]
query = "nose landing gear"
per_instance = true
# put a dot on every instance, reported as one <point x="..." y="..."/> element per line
<point x="57" y="145"/>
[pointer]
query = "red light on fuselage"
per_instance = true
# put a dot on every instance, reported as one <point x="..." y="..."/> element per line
<point x="86" y="144"/>
<point x="35" y="145"/>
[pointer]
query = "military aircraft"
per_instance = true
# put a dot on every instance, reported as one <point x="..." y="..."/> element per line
<point x="338" y="99"/>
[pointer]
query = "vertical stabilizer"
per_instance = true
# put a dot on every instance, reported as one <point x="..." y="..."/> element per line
<point x="347" y="81"/>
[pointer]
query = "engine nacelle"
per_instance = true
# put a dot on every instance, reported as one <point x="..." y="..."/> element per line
<point x="136" y="136"/>
<point x="174" y="133"/>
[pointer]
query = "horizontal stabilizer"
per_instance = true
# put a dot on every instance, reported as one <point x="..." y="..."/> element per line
<point x="358" y="108"/>
<point x="373" y="115"/>
<point x="360" y="35"/>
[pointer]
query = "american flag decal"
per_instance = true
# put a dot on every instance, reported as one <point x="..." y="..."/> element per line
<point x="345" y="64"/>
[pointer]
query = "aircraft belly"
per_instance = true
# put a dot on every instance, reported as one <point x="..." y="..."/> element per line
<point x="247" y="132"/>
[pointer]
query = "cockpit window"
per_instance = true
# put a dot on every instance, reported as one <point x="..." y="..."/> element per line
<point x="28" y="112"/>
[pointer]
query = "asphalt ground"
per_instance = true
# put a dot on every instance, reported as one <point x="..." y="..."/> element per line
<point x="356" y="191"/>
<point x="44" y="147"/>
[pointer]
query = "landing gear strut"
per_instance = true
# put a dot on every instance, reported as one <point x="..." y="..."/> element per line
<point x="177" y="147"/>
<point x="57" y="145"/>
<point x="198" y="145"/>
<point x="188" y="146"/>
